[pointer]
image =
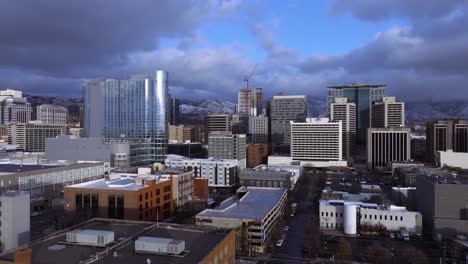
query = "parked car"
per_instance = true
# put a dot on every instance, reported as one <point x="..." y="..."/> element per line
<point x="392" y="235"/>
<point x="279" y="243"/>
<point x="35" y="213"/>
<point x="286" y="228"/>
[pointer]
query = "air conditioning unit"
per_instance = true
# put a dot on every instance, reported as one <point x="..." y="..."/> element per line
<point x="90" y="237"/>
<point x="158" y="245"/>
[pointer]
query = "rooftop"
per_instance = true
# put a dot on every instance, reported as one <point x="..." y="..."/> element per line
<point x="266" y="174"/>
<point x="15" y="168"/>
<point x="355" y="85"/>
<point x="199" y="242"/>
<point x="121" y="183"/>
<point x="255" y="204"/>
<point x="14" y="194"/>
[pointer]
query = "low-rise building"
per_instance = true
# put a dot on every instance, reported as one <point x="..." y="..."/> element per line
<point x="31" y="137"/>
<point x="257" y="154"/>
<point x="130" y="242"/>
<point x="405" y="196"/>
<point x="144" y="198"/>
<point x="442" y="200"/>
<point x="452" y="159"/>
<point x="14" y="219"/>
<point x="220" y="173"/>
<point x="406" y="176"/>
<point x="182" y="184"/>
<point x="265" y="178"/>
<point x="68" y="147"/>
<point x="253" y="212"/>
<point x="41" y="179"/>
<point x="294" y="170"/>
<point x="187" y="149"/>
<point x="349" y="216"/>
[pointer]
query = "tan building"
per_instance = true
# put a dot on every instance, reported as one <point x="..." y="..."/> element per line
<point x="31" y="137"/>
<point x="176" y="133"/>
<point x="143" y="198"/>
<point x="257" y="154"/>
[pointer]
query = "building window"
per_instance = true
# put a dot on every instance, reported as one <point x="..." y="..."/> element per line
<point x="365" y="216"/>
<point x="380" y="217"/>
<point x="166" y="189"/>
<point x="158" y="191"/>
<point x="322" y="213"/>
<point x="375" y="217"/>
<point x="401" y="218"/>
<point x="331" y="214"/>
<point x="391" y="218"/>
<point x="146" y="196"/>
<point x="120" y="207"/>
<point x="146" y="205"/>
<point x="141" y="197"/>
<point x="341" y="214"/>
<point x="326" y="214"/>
<point x="385" y="217"/>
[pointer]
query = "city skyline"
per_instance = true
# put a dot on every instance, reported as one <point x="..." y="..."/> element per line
<point x="300" y="47"/>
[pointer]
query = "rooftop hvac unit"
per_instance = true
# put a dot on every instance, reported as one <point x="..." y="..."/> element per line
<point x="90" y="237"/>
<point x="158" y="245"/>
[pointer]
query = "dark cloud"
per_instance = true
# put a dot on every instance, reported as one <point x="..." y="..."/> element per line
<point x="424" y="60"/>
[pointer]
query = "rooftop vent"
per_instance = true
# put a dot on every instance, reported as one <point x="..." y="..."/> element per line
<point x="157" y="245"/>
<point x="90" y="237"/>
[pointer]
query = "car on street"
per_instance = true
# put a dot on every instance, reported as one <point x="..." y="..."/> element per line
<point x="279" y="243"/>
<point x="35" y="213"/>
<point x="286" y="228"/>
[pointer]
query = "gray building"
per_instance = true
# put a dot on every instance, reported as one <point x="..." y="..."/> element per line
<point x="388" y="112"/>
<point x="267" y="178"/>
<point x="258" y="128"/>
<point x="363" y="95"/>
<point x="386" y="145"/>
<point x="134" y="110"/>
<point x="443" y="201"/>
<point x="31" y="137"/>
<point x="52" y="114"/>
<point x="443" y="135"/>
<point x="225" y="145"/>
<point x="344" y="111"/>
<point x="281" y="110"/>
<point x="14" y="107"/>
<point x="67" y="147"/>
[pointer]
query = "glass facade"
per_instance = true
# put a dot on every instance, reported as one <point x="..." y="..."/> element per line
<point x="363" y="96"/>
<point x="132" y="110"/>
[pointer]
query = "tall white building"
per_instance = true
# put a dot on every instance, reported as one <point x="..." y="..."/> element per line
<point x="52" y="114"/>
<point x="14" y="219"/>
<point x="225" y="145"/>
<point x="317" y="139"/>
<point x="386" y="145"/>
<point x="344" y="111"/>
<point x="388" y="112"/>
<point x="258" y="127"/>
<point x="14" y="107"/>
<point x="220" y="173"/>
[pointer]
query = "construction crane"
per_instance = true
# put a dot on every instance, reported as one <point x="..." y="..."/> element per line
<point x="247" y="77"/>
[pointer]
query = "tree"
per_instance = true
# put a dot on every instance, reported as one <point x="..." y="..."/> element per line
<point x="343" y="249"/>
<point x="377" y="199"/>
<point x="376" y="253"/>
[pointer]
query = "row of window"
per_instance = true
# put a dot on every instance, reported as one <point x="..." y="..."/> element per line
<point x="370" y="217"/>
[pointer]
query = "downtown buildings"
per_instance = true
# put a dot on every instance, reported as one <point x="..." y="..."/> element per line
<point x="14" y="108"/>
<point x="133" y="110"/>
<point x="52" y="114"/>
<point x="444" y="135"/>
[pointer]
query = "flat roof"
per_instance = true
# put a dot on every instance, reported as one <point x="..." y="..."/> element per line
<point x="16" y="168"/>
<point x="255" y="204"/>
<point x="356" y="85"/>
<point x="125" y="184"/>
<point x="264" y="174"/>
<point x="199" y="241"/>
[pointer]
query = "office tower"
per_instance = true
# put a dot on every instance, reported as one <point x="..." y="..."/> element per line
<point x="386" y="145"/>
<point x="388" y="113"/>
<point x="81" y="116"/>
<point x="363" y="95"/>
<point x="173" y="105"/>
<point x="132" y="110"/>
<point x="14" y="213"/>
<point x="238" y="126"/>
<point x="281" y="110"/>
<point x="443" y="135"/>
<point x="316" y="139"/>
<point x="249" y="103"/>
<point x="14" y="107"/>
<point x="176" y="133"/>
<point x="258" y="128"/>
<point x="225" y="145"/>
<point x="31" y="137"/>
<point x="344" y="111"/>
<point x="52" y="114"/>
<point x="216" y="122"/>
<point x="257" y="154"/>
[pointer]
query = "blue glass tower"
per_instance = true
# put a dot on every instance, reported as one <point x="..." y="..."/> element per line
<point x="363" y="95"/>
<point x="132" y="110"/>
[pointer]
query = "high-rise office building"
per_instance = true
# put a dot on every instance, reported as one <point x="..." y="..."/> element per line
<point x="386" y="145"/>
<point x="173" y="106"/>
<point x="176" y="133"/>
<point x="258" y="128"/>
<point x="363" y="95"/>
<point x="216" y="122"/>
<point x="443" y="135"/>
<point x="281" y="110"/>
<point x="132" y="110"/>
<point x="52" y="114"/>
<point x="388" y="112"/>
<point x="225" y="145"/>
<point x="14" y="107"/>
<point x="344" y="111"/>
<point x="317" y="139"/>
<point x="249" y="103"/>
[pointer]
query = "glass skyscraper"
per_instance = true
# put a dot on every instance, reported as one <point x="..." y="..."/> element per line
<point x="132" y="110"/>
<point x="363" y="95"/>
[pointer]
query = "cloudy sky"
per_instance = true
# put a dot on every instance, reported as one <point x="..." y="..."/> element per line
<point x="419" y="48"/>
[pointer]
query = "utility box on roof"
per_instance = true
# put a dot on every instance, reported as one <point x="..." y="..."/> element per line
<point x="157" y="245"/>
<point x="90" y="237"/>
